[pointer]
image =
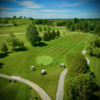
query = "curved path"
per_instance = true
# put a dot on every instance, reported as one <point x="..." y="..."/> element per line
<point x="39" y="90"/>
<point x="88" y="61"/>
<point x="60" y="91"/>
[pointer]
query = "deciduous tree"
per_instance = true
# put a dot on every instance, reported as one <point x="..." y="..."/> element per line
<point x="4" y="48"/>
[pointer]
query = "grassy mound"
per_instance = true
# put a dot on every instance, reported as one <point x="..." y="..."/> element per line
<point x="44" y="60"/>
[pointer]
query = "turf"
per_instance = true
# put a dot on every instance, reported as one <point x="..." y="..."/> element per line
<point x="16" y="91"/>
<point x="22" y="28"/>
<point x="45" y="60"/>
<point x="59" y="49"/>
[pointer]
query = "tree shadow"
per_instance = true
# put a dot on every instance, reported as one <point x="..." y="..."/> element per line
<point x="1" y="65"/>
<point x="3" y="55"/>
<point x="94" y="97"/>
<point x="21" y="49"/>
<point x="41" y="44"/>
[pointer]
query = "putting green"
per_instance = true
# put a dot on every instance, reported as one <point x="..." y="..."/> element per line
<point x="44" y="60"/>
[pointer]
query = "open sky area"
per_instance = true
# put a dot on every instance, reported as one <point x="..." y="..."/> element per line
<point x="49" y="9"/>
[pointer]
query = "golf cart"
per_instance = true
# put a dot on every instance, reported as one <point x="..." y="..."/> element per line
<point x="62" y="65"/>
<point x="32" y="68"/>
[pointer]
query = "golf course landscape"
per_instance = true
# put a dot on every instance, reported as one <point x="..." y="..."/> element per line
<point x="19" y="61"/>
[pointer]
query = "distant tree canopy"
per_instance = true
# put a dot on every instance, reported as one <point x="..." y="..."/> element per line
<point x="76" y="20"/>
<point x="68" y="24"/>
<point x="40" y="28"/>
<point x="97" y="29"/>
<point x="42" y="21"/>
<point x="32" y="34"/>
<point x="14" y="16"/>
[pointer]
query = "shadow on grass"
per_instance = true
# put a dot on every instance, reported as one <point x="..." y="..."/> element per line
<point x="1" y="65"/>
<point x="3" y="55"/>
<point x="41" y="44"/>
<point x="21" y="49"/>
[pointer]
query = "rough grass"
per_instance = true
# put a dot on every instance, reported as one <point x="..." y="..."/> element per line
<point x="16" y="91"/>
<point x="60" y="49"/>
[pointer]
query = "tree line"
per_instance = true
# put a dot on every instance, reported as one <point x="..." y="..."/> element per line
<point x="81" y="84"/>
<point x="93" y="43"/>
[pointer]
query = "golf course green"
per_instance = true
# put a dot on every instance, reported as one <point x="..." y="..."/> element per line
<point x="60" y="49"/>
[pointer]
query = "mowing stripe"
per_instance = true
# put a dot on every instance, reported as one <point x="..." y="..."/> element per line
<point x="58" y="44"/>
<point x="57" y="48"/>
<point x="52" y="47"/>
<point x="74" y="46"/>
<point x="63" y="49"/>
<point x="62" y="41"/>
<point x="70" y="46"/>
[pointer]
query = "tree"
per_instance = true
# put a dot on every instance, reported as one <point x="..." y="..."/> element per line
<point x="58" y="33"/>
<point x="93" y="45"/>
<point x="77" y="64"/>
<point x="14" y="42"/>
<point x="81" y="26"/>
<point x="45" y="37"/>
<point x="72" y="28"/>
<point x="45" y="29"/>
<point x="40" y="28"/>
<point x="68" y="24"/>
<point x="32" y="33"/>
<point x="49" y="35"/>
<point x="97" y="29"/>
<point x="76" y="26"/>
<point x="90" y="27"/>
<point x="39" y="39"/>
<point x="76" y="20"/>
<point x="53" y="34"/>
<point x="49" y="29"/>
<point x="81" y="87"/>
<point x="85" y="26"/>
<point x="4" y="48"/>
<point x="11" y="34"/>
<point x="20" y="17"/>
<point x="14" y="16"/>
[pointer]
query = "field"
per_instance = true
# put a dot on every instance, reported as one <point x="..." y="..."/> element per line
<point x="60" y="49"/>
<point x="21" y="29"/>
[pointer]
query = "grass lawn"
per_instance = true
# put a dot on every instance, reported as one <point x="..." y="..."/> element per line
<point x="59" y="49"/>
<point x="22" y="28"/>
<point x="16" y="91"/>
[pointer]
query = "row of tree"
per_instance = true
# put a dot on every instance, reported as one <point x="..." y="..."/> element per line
<point x="33" y="35"/>
<point x="50" y="35"/>
<point x="44" y="29"/>
<point x="82" y="83"/>
<point x="93" y="44"/>
<point x="84" y="26"/>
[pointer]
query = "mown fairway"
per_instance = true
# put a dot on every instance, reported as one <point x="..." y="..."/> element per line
<point x="22" y="28"/>
<point x="59" y="49"/>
